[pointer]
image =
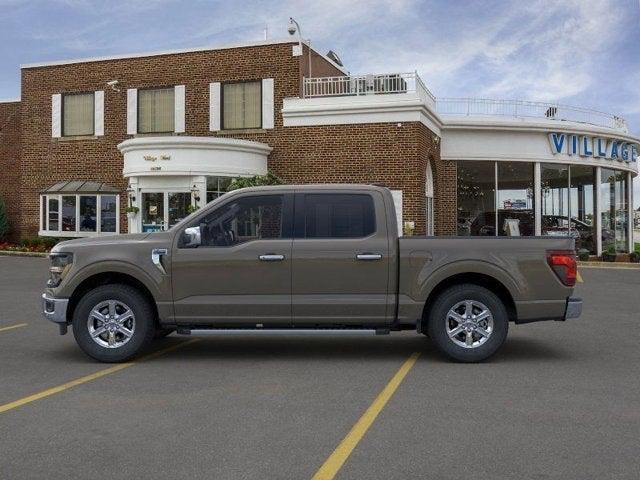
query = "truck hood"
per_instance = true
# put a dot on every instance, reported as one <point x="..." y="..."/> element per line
<point x="107" y="240"/>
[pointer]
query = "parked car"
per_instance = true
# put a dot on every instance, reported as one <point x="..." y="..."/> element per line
<point x="307" y="259"/>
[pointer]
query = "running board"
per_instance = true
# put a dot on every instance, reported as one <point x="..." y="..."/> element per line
<point x="282" y="331"/>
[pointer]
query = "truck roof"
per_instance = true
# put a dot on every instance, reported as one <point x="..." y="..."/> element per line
<point x="317" y="187"/>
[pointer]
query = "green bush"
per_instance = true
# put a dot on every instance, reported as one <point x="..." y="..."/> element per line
<point x="583" y="254"/>
<point x="255" y="181"/>
<point x="4" y="221"/>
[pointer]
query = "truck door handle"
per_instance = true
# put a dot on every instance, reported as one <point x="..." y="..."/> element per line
<point x="368" y="256"/>
<point x="270" y="257"/>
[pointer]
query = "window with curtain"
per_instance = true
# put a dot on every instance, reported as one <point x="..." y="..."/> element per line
<point x="156" y="110"/>
<point x="242" y="105"/>
<point x="77" y="114"/>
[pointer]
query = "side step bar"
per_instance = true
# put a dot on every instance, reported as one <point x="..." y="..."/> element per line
<point x="282" y="331"/>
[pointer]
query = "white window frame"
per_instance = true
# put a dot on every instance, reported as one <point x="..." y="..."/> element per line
<point x="44" y="220"/>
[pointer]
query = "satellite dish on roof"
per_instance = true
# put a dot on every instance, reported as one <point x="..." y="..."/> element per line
<point x="334" y="56"/>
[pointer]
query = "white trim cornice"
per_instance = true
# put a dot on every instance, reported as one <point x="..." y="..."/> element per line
<point x="200" y="143"/>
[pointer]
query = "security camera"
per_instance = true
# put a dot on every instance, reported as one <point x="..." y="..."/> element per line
<point x="113" y="84"/>
<point x="292" y="27"/>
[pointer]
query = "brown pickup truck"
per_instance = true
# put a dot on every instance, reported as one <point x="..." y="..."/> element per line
<point x="305" y="259"/>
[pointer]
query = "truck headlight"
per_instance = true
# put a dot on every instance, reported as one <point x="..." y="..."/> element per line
<point x="60" y="265"/>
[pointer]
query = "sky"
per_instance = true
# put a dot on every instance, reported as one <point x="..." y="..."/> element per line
<point x="577" y="52"/>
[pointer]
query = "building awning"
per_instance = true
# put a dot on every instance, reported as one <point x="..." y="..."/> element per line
<point x="81" y="186"/>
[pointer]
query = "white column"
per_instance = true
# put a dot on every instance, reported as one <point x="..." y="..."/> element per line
<point x="630" y="211"/>
<point x="598" y="213"/>
<point x="537" y="198"/>
<point x="134" y="225"/>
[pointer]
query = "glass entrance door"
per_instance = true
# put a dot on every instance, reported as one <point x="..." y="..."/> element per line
<point x="153" y="212"/>
<point x="162" y="210"/>
<point x="178" y="207"/>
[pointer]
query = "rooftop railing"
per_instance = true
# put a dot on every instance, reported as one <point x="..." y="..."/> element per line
<point x="399" y="83"/>
<point x="356" y="85"/>
<point x="526" y="109"/>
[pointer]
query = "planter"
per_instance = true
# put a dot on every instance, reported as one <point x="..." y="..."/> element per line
<point x="609" y="257"/>
<point x="634" y="257"/>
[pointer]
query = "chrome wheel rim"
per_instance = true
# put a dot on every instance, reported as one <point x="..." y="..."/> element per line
<point x="111" y="324"/>
<point x="469" y="324"/>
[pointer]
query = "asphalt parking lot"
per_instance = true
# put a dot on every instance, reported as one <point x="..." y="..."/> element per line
<point x="561" y="400"/>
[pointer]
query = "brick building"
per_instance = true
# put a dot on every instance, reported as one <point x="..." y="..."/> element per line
<point x="166" y="131"/>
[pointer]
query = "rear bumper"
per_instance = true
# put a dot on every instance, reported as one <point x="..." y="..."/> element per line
<point x="54" y="309"/>
<point x="574" y="308"/>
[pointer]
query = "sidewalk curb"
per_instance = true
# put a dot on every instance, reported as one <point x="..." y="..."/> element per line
<point x="610" y="265"/>
<point x="11" y="253"/>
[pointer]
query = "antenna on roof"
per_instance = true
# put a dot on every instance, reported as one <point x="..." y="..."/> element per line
<point x="266" y="32"/>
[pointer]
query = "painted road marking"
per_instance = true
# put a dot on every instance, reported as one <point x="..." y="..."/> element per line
<point x="88" y="378"/>
<point x="579" y="278"/>
<point x="334" y="463"/>
<point x="19" y="325"/>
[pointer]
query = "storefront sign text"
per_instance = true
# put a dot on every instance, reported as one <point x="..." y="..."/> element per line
<point x="597" y="147"/>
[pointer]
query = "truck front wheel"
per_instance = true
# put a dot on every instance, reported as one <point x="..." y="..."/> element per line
<point x="468" y="323"/>
<point x="112" y="323"/>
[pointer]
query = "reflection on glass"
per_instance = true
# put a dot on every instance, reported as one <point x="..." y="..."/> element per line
<point x="555" y="199"/>
<point x="582" y="208"/>
<point x="88" y="213"/>
<point x="108" y="214"/>
<point x="53" y="213"/>
<point x="69" y="214"/>
<point x="152" y="211"/>
<point x="476" y="198"/>
<point x="613" y="206"/>
<point x="178" y="207"/>
<point x="515" y="199"/>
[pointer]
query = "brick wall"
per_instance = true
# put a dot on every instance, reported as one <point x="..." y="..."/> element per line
<point x="367" y="153"/>
<point x="9" y="160"/>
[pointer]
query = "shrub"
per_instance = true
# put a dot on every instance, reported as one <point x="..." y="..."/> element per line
<point x="255" y="181"/>
<point x="583" y="254"/>
<point x="4" y="221"/>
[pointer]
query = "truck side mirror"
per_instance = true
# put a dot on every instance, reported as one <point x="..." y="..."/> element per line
<point x="191" y="237"/>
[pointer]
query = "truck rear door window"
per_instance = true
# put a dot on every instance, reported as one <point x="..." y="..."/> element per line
<point x="338" y="216"/>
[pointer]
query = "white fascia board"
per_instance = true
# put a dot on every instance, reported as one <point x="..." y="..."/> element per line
<point x="175" y="52"/>
<point x="392" y="108"/>
<point x="9" y="100"/>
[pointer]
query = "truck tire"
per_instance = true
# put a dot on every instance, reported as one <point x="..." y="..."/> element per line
<point x="468" y="323"/>
<point x="113" y="323"/>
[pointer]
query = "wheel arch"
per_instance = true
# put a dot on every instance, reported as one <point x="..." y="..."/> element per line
<point x="109" y="278"/>
<point x="474" y="278"/>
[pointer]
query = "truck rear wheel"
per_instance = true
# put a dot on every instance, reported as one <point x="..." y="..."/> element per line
<point x="468" y="323"/>
<point x="112" y="323"/>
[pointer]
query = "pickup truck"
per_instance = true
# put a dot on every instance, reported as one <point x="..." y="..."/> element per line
<point x="305" y="259"/>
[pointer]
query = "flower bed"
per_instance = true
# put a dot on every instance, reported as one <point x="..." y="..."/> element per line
<point x="30" y="245"/>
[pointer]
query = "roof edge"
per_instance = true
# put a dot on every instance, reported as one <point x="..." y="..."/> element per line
<point x="177" y="51"/>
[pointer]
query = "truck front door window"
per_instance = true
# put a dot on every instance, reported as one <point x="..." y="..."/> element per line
<point x="244" y="220"/>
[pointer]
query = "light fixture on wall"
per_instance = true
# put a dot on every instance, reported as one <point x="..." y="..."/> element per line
<point x="195" y="192"/>
<point x="132" y="194"/>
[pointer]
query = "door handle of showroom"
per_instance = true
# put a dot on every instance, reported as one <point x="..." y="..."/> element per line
<point x="270" y="257"/>
<point x="368" y="256"/>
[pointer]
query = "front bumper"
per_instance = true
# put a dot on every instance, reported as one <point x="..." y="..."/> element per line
<point x="55" y="309"/>
<point x="574" y="308"/>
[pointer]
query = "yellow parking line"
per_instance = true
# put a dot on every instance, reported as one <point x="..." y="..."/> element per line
<point x="334" y="463"/>
<point x="579" y="278"/>
<point x="79" y="381"/>
<point x="19" y="325"/>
